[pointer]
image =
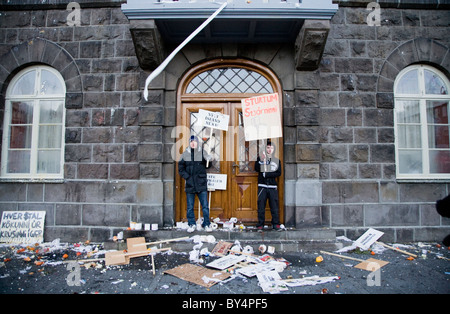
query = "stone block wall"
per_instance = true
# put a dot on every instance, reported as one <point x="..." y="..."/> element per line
<point x="348" y="108"/>
<point x="115" y="170"/>
<point x="339" y="154"/>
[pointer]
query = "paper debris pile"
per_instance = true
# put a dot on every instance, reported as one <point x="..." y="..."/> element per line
<point x="231" y="260"/>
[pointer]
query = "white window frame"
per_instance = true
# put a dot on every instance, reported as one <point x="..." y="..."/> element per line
<point x="422" y="98"/>
<point x="35" y="98"/>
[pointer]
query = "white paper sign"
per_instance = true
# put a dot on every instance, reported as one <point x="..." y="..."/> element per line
<point x="22" y="227"/>
<point x="368" y="238"/>
<point x="217" y="181"/>
<point x="226" y="261"/>
<point x="262" y="117"/>
<point x="212" y="119"/>
<point x="270" y="281"/>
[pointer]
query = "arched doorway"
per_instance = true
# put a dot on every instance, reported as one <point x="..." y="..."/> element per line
<point x="219" y="85"/>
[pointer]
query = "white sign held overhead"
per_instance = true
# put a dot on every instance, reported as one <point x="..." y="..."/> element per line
<point x="261" y="117"/>
<point x="213" y="120"/>
<point x="368" y="238"/>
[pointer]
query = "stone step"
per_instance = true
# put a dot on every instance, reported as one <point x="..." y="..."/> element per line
<point x="290" y="240"/>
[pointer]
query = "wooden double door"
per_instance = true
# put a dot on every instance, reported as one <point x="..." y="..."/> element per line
<point x="234" y="157"/>
<point x="220" y="85"/>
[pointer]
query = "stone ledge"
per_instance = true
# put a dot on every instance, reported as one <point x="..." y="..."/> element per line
<point x="287" y="240"/>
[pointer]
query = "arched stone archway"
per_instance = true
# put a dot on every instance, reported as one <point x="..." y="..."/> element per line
<point x="42" y="51"/>
<point x="419" y="50"/>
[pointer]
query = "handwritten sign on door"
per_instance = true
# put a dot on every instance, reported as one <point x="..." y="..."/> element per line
<point x="217" y="181"/>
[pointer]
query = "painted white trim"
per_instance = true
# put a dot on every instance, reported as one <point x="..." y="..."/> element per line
<point x="422" y="98"/>
<point x="35" y="98"/>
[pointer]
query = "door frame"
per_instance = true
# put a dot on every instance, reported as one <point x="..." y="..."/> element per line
<point x="182" y="98"/>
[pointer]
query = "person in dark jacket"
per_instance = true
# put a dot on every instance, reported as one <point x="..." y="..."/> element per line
<point x="192" y="168"/>
<point x="443" y="209"/>
<point x="268" y="168"/>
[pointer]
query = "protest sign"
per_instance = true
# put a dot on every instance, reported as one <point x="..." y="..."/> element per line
<point x="262" y="118"/>
<point x="226" y="261"/>
<point x="214" y="120"/>
<point x="22" y="227"/>
<point x="217" y="181"/>
<point x="368" y="238"/>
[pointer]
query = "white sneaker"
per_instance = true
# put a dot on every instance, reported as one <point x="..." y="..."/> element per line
<point x="191" y="229"/>
<point x="208" y="229"/>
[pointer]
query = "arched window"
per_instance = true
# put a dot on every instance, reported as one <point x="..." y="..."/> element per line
<point x="229" y="80"/>
<point x="33" y="127"/>
<point x="422" y="123"/>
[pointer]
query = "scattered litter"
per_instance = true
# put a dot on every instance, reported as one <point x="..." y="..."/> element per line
<point x="194" y="256"/>
<point x="262" y="248"/>
<point x="371" y="264"/>
<point x="252" y="270"/>
<point x="221" y="248"/>
<point x="271" y="282"/>
<point x="397" y="249"/>
<point x="309" y="281"/>
<point x="226" y="261"/>
<point x="248" y="249"/>
<point x="368" y="238"/>
<point x="194" y="274"/>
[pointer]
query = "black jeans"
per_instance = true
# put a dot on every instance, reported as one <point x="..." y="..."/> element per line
<point x="263" y="195"/>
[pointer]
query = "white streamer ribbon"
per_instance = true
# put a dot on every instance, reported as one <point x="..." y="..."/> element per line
<point x="161" y="67"/>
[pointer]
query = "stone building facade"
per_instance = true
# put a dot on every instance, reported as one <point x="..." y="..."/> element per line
<point x="339" y="128"/>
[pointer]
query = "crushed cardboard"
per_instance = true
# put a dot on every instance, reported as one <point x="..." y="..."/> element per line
<point x="198" y="274"/>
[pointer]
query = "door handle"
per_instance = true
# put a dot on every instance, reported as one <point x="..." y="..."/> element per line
<point x="234" y="165"/>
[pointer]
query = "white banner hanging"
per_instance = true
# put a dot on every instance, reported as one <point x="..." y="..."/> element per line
<point x="162" y="66"/>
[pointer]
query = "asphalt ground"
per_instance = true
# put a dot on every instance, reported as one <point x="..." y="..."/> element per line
<point x="22" y="272"/>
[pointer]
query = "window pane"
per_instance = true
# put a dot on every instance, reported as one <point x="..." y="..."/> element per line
<point x="18" y="161"/>
<point x="25" y="85"/>
<point x="49" y="161"/>
<point x="50" y="84"/>
<point x="49" y="136"/>
<point x="22" y="112"/>
<point x="437" y="118"/>
<point x="434" y="84"/>
<point x="439" y="161"/>
<point x="409" y="83"/>
<point x="229" y="80"/>
<point x="438" y="137"/>
<point x="437" y="112"/>
<point x="210" y="143"/>
<point x="51" y="112"/>
<point x="409" y="136"/>
<point x="20" y="137"/>
<point x="407" y="111"/>
<point x="410" y="161"/>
